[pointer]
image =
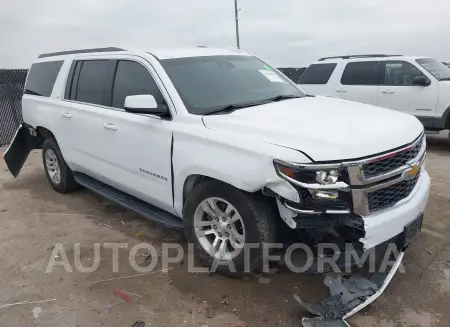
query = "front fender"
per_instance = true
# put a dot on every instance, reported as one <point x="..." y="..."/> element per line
<point x="242" y="163"/>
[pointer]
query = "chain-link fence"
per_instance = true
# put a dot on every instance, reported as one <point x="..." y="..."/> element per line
<point x="11" y="90"/>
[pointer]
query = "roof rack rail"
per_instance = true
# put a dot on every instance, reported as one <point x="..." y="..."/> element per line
<point x="359" y="56"/>
<point x="52" y="54"/>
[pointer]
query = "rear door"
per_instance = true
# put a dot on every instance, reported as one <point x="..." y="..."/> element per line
<point x="359" y="82"/>
<point x="87" y="96"/>
<point x="398" y="92"/>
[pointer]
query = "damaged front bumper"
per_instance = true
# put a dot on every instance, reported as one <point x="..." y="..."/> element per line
<point x="386" y="225"/>
<point x="349" y="295"/>
<point x="373" y="199"/>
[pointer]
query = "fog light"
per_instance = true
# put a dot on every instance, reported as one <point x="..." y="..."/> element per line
<point x="325" y="195"/>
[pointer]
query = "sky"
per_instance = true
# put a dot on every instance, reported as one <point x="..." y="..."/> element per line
<point x="286" y="33"/>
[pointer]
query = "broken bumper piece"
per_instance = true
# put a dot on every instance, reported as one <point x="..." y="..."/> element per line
<point x="349" y="295"/>
<point x="17" y="153"/>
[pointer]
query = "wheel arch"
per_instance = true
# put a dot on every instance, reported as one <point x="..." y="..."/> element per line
<point x="446" y="118"/>
<point x="190" y="183"/>
<point x="44" y="133"/>
<point x="192" y="180"/>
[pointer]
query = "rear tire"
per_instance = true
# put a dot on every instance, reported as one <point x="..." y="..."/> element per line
<point x="243" y="219"/>
<point x="58" y="173"/>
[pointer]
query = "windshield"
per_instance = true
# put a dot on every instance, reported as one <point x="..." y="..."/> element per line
<point x="208" y="84"/>
<point x="436" y="68"/>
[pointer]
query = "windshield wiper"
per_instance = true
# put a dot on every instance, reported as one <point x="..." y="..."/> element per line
<point x="282" y="97"/>
<point x="230" y="108"/>
<point x="445" y="79"/>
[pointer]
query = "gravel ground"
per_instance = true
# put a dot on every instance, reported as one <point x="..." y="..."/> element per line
<point x="34" y="218"/>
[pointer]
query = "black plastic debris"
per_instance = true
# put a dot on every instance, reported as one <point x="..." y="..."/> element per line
<point x="138" y="324"/>
<point x="322" y="322"/>
<point x="348" y="295"/>
<point x="347" y="292"/>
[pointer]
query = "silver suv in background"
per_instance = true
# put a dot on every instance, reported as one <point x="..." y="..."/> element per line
<point x="418" y="86"/>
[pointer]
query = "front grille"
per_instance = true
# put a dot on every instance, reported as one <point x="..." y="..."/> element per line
<point x="389" y="196"/>
<point x="386" y="165"/>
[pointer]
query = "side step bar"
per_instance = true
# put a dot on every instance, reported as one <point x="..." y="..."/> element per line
<point x="130" y="202"/>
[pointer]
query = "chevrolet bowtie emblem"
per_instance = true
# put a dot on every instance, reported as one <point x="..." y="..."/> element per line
<point x="415" y="169"/>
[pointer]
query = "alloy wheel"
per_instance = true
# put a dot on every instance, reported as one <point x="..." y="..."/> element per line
<point x="219" y="228"/>
<point x="52" y="166"/>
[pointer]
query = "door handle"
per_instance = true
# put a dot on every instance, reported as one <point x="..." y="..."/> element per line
<point x="341" y="91"/>
<point x="388" y="91"/>
<point x="66" y="115"/>
<point x="110" y="126"/>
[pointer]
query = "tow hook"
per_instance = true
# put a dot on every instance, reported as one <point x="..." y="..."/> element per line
<point x="349" y="295"/>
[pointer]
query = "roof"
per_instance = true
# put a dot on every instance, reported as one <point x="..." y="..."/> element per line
<point x="195" y="52"/>
<point x="364" y="58"/>
<point x="160" y="54"/>
<point x="69" y="52"/>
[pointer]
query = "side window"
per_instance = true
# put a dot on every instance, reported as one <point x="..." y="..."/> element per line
<point x="361" y="73"/>
<point x="317" y="74"/>
<point x="347" y="75"/>
<point x="400" y="73"/>
<point x="133" y="78"/>
<point x="93" y="86"/>
<point x="42" y="77"/>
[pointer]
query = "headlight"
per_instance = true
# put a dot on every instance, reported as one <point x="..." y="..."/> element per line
<point x="305" y="176"/>
<point x="321" y="187"/>
<point x="327" y="176"/>
<point x="309" y="175"/>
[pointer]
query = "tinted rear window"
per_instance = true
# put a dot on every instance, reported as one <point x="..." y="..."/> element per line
<point x="42" y="77"/>
<point x="93" y="86"/>
<point x="317" y="74"/>
<point x="362" y="73"/>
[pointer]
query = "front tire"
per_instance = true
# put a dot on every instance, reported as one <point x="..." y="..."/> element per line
<point x="220" y="220"/>
<point x="58" y="173"/>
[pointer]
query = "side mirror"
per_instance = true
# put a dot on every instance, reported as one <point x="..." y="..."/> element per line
<point x="144" y="104"/>
<point x="421" y="80"/>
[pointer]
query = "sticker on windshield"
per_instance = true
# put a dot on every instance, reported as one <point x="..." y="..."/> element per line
<point x="271" y="76"/>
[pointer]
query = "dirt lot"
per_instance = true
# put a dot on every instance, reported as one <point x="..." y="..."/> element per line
<point x="34" y="217"/>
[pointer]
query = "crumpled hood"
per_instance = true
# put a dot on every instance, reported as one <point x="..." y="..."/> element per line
<point x="324" y="128"/>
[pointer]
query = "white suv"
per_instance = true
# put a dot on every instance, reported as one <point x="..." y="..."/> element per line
<point x="223" y="145"/>
<point x="417" y="86"/>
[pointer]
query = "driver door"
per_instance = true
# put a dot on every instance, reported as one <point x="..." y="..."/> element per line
<point x="137" y="147"/>
<point x="398" y="92"/>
